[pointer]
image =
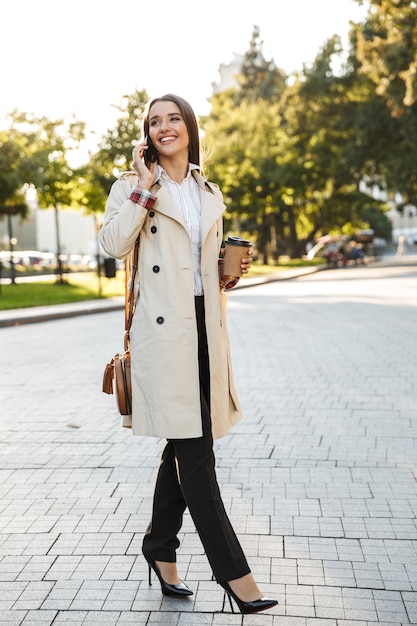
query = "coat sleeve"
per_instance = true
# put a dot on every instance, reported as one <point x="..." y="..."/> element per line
<point x="123" y="219"/>
<point x="232" y="282"/>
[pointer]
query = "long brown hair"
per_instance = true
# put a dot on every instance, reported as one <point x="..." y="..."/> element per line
<point x="190" y="123"/>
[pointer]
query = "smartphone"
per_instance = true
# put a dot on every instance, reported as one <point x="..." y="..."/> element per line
<point x="150" y="155"/>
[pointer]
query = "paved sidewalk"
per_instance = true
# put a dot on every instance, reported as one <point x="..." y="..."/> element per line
<point x="319" y="478"/>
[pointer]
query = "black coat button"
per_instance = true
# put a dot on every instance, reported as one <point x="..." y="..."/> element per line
<point x="153" y="229"/>
<point x="160" y="320"/>
<point x="155" y="269"/>
<point x="151" y="213"/>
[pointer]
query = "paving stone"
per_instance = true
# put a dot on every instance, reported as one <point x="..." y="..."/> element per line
<point x="369" y="579"/>
<point x="39" y="618"/>
<point x="138" y="619"/>
<point x="359" y="604"/>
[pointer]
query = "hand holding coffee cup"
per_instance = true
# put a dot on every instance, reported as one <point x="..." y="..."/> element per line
<point x="236" y="250"/>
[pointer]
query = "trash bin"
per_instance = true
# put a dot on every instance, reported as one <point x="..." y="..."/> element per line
<point x="109" y="267"/>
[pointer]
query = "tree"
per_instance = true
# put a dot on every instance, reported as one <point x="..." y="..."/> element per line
<point x="244" y="125"/>
<point x="114" y="152"/>
<point x="333" y="120"/>
<point x="114" y="155"/>
<point x="48" y="168"/>
<point x="385" y="50"/>
<point x="11" y="174"/>
<point x="13" y="181"/>
<point x="247" y="139"/>
<point x="291" y="166"/>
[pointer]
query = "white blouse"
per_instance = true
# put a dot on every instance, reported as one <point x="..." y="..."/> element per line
<point x="187" y="196"/>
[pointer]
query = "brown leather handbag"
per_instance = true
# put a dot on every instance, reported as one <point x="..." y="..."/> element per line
<point x="117" y="377"/>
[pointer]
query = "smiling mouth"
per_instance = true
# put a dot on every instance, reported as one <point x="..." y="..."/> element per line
<point x="167" y="139"/>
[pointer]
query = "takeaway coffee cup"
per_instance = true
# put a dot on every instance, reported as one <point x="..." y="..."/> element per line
<point x="236" y="249"/>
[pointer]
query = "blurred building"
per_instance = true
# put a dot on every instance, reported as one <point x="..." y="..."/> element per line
<point x="402" y="216"/>
<point x="38" y="231"/>
<point x="404" y="222"/>
<point x="228" y="73"/>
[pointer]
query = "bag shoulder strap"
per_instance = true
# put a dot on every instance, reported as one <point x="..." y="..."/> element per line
<point x="130" y="274"/>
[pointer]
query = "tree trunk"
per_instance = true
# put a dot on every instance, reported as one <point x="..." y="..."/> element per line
<point x="265" y="239"/>
<point x="11" y="248"/>
<point x="294" y="243"/>
<point x="58" y="247"/>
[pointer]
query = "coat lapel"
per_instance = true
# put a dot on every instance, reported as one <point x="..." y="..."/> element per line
<point x="166" y="205"/>
<point x="212" y="205"/>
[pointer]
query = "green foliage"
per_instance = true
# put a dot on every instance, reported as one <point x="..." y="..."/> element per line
<point x="385" y="49"/>
<point x="244" y="163"/>
<point x="376" y="218"/>
<point x="290" y="168"/>
<point x="114" y="154"/>
<point x="244" y="127"/>
<point x="12" y="174"/>
<point x="44" y="148"/>
<point x="40" y="156"/>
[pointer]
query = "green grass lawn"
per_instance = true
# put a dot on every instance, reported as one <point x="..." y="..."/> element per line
<point x="86" y="286"/>
<point x="76" y="288"/>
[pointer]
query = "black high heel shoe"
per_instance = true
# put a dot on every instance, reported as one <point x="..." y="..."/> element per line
<point x="248" y="607"/>
<point x="173" y="591"/>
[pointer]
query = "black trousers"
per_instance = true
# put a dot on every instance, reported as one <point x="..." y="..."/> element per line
<point x="187" y="478"/>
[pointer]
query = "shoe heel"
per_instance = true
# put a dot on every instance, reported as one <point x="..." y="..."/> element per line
<point x="247" y="607"/>
<point x="230" y="602"/>
<point x="177" y="591"/>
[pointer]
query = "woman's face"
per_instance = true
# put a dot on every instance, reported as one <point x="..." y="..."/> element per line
<point x="167" y="130"/>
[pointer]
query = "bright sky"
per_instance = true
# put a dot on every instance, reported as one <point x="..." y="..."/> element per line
<point x="60" y="58"/>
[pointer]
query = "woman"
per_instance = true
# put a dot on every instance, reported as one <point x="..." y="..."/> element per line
<point x="182" y="382"/>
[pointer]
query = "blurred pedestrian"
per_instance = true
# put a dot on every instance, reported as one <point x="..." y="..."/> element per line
<point x="401" y="245"/>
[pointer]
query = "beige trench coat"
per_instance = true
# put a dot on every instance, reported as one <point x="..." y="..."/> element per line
<point x="165" y="383"/>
